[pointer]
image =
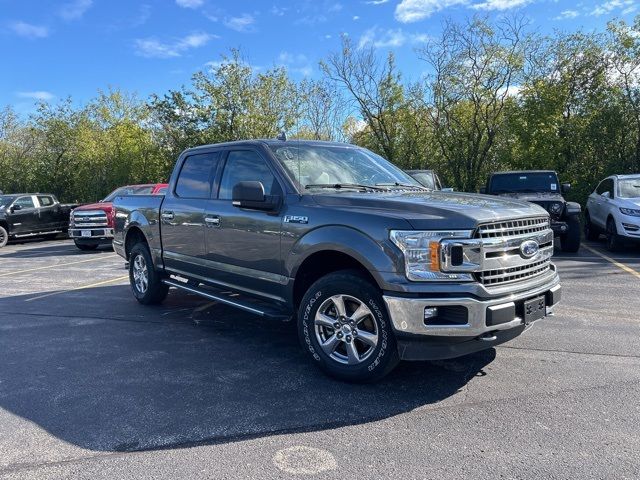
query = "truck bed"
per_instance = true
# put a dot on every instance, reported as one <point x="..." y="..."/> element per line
<point x="142" y="211"/>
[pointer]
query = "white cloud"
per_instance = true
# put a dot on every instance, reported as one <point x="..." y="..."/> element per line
<point x="154" y="48"/>
<point x="297" y="63"/>
<point x="37" y="95"/>
<point x="190" y="3"/>
<point x="409" y="11"/>
<point x="567" y="14"/>
<point x="243" y="23"/>
<point x="392" y="38"/>
<point x="278" y="11"/>
<point x="356" y="17"/>
<point x="500" y="4"/>
<point x="74" y="10"/>
<point x="610" y="6"/>
<point x="376" y="2"/>
<point x="28" y="30"/>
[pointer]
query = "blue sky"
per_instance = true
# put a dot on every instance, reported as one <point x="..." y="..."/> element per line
<point x="54" y="49"/>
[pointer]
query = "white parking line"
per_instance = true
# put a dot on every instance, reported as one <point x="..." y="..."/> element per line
<point x="618" y="264"/>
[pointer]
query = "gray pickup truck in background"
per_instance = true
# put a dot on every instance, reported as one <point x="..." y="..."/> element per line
<point x="373" y="267"/>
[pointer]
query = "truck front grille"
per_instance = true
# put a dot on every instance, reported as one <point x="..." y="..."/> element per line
<point x="502" y="262"/>
<point x="513" y="228"/>
<point x="90" y="219"/>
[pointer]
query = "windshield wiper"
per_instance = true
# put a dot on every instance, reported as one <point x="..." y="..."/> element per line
<point x="403" y="185"/>
<point x="338" y="186"/>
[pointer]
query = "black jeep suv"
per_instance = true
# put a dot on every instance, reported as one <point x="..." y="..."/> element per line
<point x="543" y="188"/>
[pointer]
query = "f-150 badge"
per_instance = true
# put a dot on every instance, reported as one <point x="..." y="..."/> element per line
<point x="295" y="219"/>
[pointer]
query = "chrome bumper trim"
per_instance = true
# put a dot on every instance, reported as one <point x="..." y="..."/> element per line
<point x="103" y="232"/>
<point x="407" y="314"/>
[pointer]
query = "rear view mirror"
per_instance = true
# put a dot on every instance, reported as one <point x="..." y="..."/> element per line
<point x="483" y="189"/>
<point x="565" y="187"/>
<point x="447" y="189"/>
<point x="606" y="194"/>
<point x="16" y="207"/>
<point x="251" y="195"/>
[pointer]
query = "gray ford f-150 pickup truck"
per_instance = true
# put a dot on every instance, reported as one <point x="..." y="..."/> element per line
<point x="373" y="267"/>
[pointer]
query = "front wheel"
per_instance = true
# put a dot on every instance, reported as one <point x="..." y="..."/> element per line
<point x="4" y="236"/>
<point x="570" y="241"/>
<point x="146" y="282"/>
<point x="614" y="241"/>
<point x="344" y="325"/>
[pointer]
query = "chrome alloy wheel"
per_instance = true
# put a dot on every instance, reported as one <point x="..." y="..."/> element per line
<point x="346" y="329"/>
<point x="140" y="274"/>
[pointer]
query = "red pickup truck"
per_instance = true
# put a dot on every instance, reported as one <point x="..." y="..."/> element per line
<point x="92" y="225"/>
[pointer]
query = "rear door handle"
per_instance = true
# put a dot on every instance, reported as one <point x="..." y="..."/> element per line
<point x="167" y="215"/>
<point x="212" y="221"/>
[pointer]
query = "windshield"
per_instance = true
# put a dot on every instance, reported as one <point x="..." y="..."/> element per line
<point x="311" y="166"/>
<point x="130" y="190"/>
<point x="5" y="201"/>
<point x="629" y="188"/>
<point x="524" y="182"/>
<point x="426" y="179"/>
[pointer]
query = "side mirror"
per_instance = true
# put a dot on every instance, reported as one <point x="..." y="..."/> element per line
<point x="606" y="194"/>
<point x="483" y="190"/>
<point x="447" y="189"/>
<point x="251" y="195"/>
<point x="565" y="187"/>
<point x="15" y="207"/>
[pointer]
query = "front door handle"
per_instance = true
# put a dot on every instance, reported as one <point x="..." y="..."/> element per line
<point x="213" y="221"/>
<point x="167" y="215"/>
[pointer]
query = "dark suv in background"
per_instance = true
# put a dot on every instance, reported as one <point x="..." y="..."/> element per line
<point x="543" y="188"/>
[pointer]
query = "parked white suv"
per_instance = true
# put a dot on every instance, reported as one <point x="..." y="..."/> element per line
<point x="614" y="209"/>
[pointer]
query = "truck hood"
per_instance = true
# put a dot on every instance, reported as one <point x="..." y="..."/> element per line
<point x="106" y="206"/>
<point x="534" y="196"/>
<point x="434" y="210"/>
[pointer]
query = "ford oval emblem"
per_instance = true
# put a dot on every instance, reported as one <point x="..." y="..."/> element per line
<point x="529" y="248"/>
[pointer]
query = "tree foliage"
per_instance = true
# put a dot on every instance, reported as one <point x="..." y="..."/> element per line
<point x="495" y="96"/>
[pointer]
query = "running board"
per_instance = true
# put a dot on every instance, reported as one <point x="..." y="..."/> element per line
<point x="238" y="302"/>
<point x="24" y="235"/>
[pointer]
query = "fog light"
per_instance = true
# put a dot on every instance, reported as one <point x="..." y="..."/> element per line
<point x="430" y="312"/>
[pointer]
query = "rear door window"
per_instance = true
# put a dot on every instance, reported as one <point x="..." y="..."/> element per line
<point x="45" y="200"/>
<point x="196" y="174"/>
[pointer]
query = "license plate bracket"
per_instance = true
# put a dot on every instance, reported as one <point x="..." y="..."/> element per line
<point x="85" y="233"/>
<point x="534" y="309"/>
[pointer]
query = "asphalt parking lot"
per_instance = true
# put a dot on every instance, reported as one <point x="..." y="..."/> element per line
<point x="93" y="385"/>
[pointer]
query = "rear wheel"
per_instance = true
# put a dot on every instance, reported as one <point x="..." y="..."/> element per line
<point x="344" y="325"/>
<point x="146" y="282"/>
<point x="4" y="236"/>
<point x="614" y="241"/>
<point x="570" y="241"/>
<point x="86" y="247"/>
<point x="590" y="230"/>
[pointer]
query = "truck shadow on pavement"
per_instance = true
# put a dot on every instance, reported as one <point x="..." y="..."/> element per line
<point x="97" y="370"/>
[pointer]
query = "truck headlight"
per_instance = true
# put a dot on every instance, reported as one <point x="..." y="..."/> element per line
<point x="422" y="254"/>
<point x="555" y="208"/>
<point x="633" y="212"/>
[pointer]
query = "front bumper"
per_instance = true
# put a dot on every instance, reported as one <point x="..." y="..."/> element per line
<point x="483" y="322"/>
<point x="95" y="233"/>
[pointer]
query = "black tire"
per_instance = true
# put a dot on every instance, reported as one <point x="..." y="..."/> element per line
<point x="570" y="241"/>
<point x="591" y="232"/>
<point x="86" y="247"/>
<point x="614" y="241"/>
<point x="4" y="236"/>
<point x="371" y="363"/>
<point x="155" y="291"/>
